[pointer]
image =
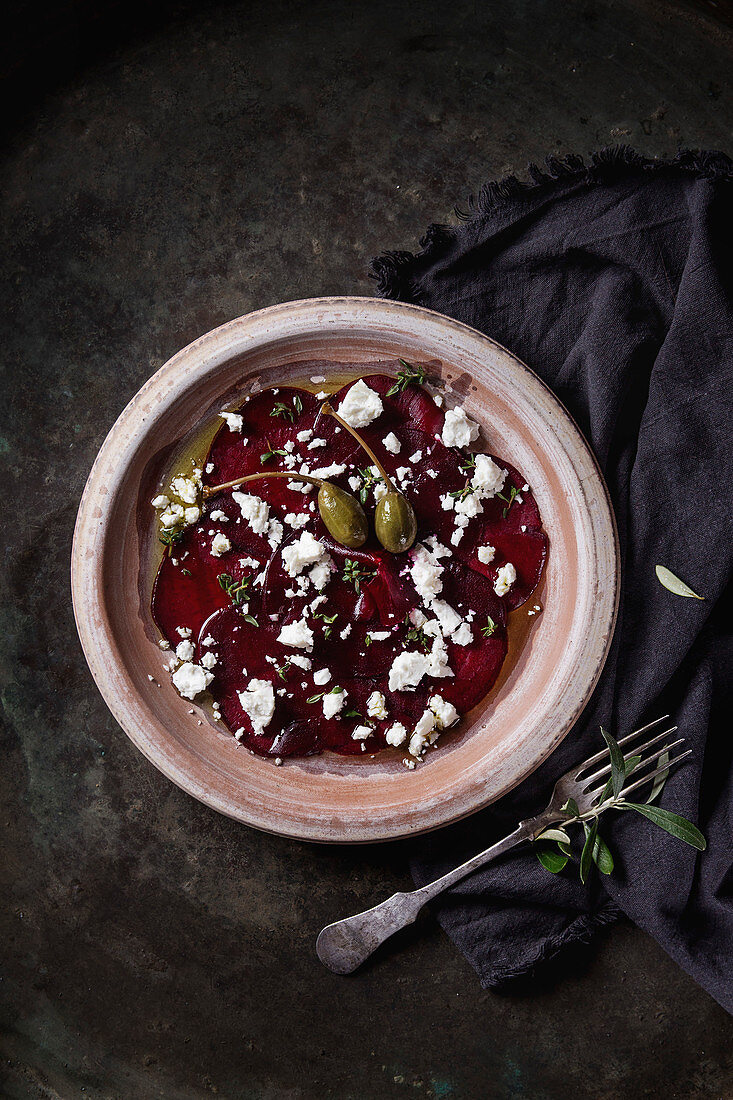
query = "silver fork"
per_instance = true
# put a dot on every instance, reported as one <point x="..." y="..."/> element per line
<point x="346" y="944"/>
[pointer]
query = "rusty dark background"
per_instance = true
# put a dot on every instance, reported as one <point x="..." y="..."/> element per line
<point x="167" y="167"/>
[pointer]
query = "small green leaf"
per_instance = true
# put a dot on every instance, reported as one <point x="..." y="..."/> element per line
<point x="554" y="834"/>
<point x="281" y="409"/>
<point x="661" y="779"/>
<point x="618" y="773"/>
<point x="251" y="620"/>
<point x="410" y="375"/>
<point x="315" y="698"/>
<point x="673" y="584"/>
<point x="629" y="764"/>
<point x="550" y="859"/>
<point x="186" y="572"/>
<point x="490" y="627"/>
<point x="677" y="826"/>
<point x="586" y="856"/>
<point x="571" y="808"/>
<point x="602" y="856"/>
<point x="565" y="848"/>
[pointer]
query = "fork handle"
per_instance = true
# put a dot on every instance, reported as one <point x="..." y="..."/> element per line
<point x="346" y="944"/>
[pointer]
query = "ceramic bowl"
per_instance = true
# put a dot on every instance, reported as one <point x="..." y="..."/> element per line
<point x="555" y="657"/>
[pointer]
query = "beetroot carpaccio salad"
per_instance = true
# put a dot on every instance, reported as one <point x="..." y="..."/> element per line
<point x="339" y="573"/>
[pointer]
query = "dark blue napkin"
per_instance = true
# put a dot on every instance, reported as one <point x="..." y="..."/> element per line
<point x="614" y="283"/>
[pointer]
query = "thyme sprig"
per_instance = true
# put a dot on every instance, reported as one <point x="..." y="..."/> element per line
<point x="271" y="451"/>
<point x="469" y="463"/>
<point x="368" y="480"/>
<point x="329" y="620"/>
<point x="513" y="492"/>
<point x="354" y="573"/>
<point x="490" y="627"/>
<point x="169" y="536"/>
<point x="408" y="376"/>
<point x="461" y="494"/>
<point x="285" y="411"/>
<point x="335" y="690"/>
<point x="416" y="634"/>
<point x="595" y="850"/>
<point x="237" y="591"/>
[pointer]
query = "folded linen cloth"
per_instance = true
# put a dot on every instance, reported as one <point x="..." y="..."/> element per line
<point x="614" y="282"/>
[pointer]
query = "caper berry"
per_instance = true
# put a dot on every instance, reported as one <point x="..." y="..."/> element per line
<point x="394" y="523"/>
<point x="342" y="515"/>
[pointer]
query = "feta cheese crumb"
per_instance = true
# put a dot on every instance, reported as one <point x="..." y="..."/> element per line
<point x="376" y="705"/>
<point x="392" y="443"/>
<point x="488" y="478"/>
<point x="415" y="457"/>
<point x="258" y="703"/>
<point x="322" y="676"/>
<point x="408" y="669"/>
<point x="300" y="661"/>
<point x="361" y="733"/>
<point x="185" y="488"/>
<point x="458" y="430"/>
<point x="447" y="502"/>
<point x="217" y="516"/>
<point x="185" y="651"/>
<point x="380" y="635"/>
<point x="160" y="502"/>
<point x="426" y="573"/>
<point x="445" y="713"/>
<point x="220" y="544"/>
<point x="361" y="405"/>
<point x="396" y="734"/>
<point x="505" y="578"/>
<point x="333" y="703"/>
<point x="255" y="510"/>
<point x="298" y="635"/>
<point x="296" y="519"/>
<point x="486" y="554"/>
<point x="305" y="435"/>
<point x="184" y="631"/>
<point x="345" y="632"/>
<point x="209" y="660"/>
<point x="304" y="551"/>
<point x="164" y="643"/>
<point x="463" y="635"/>
<point x="235" y="422"/>
<point x="315" y="443"/>
<point x="421" y="735"/>
<point x="190" y="680"/>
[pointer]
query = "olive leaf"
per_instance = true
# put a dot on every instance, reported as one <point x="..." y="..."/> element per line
<point x="602" y="856"/>
<point x="673" y="584"/>
<point x="673" y="824"/>
<point x="618" y="771"/>
<point x="550" y="859"/>
<point x="586" y="856"/>
<point x="554" y="834"/>
<point x="661" y="779"/>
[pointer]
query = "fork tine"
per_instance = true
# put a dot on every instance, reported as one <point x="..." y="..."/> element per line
<point x="642" y="764"/>
<point x="652" y="775"/>
<point x="603" y="754"/>
<point x="637" y="750"/>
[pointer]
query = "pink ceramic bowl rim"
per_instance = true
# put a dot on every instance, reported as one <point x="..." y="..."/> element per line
<point x="329" y="798"/>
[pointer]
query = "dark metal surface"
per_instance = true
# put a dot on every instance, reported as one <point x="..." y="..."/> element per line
<point x="200" y="164"/>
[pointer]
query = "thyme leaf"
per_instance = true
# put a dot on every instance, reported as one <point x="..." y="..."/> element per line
<point x="283" y="410"/>
<point x="408" y="376"/>
<point x="513" y="492"/>
<point x="354" y="573"/>
<point x="490" y="627"/>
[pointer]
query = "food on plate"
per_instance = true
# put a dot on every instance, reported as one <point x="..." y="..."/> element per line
<point x="339" y="570"/>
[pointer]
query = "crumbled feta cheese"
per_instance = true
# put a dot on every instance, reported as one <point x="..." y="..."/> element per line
<point x="445" y="713"/>
<point x="392" y="443"/>
<point x="244" y="562"/>
<point x="322" y="676"/>
<point x="421" y="735"/>
<point x="345" y="632"/>
<point x="380" y="635"/>
<point x="426" y="572"/>
<point x="361" y="733"/>
<point x="360" y="406"/>
<point x="235" y="423"/>
<point x="417" y="617"/>
<point x="321" y="572"/>
<point x="376" y="705"/>
<point x="298" y="635"/>
<point x="220" y="544"/>
<point x="274" y="533"/>
<point x="160" y="502"/>
<point x="487" y="476"/>
<point x="354" y="484"/>
<point x="185" y="651"/>
<point x="457" y="536"/>
<point x="316" y="443"/>
<point x="438" y="399"/>
<point x="447" y="616"/>
<point x="255" y="510"/>
<point x="432" y="473"/>
<point x="447" y="502"/>
<point x="304" y="436"/>
<point x="209" y="660"/>
<point x="316" y="378"/>
<point x="302" y="662"/>
<point x="190" y="680"/>
<point x="217" y="516"/>
<point x="184" y="631"/>
<point x="258" y="703"/>
<point x="304" y="551"/>
<point x="396" y="734"/>
<point x="380" y="490"/>
<point x="164" y="643"/>
<point x="191" y="515"/>
<point x="326" y="472"/>
<point x="333" y="703"/>
<point x="505" y="578"/>
<point x="463" y="635"/>
<point x="486" y="554"/>
<point x="470" y="506"/>
<point x="288" y="446"/>
<point x="416" y="457"/>
<point x="172" y="516"/>
<point x="436" y="548"/>
<point x="408" y="669"/>
<point x="185" y="488"/>
<point x="296" y="519"/>
<point x="458" y="430"/>
<point x="322" y="395"/>
<point x="209" y="467"/>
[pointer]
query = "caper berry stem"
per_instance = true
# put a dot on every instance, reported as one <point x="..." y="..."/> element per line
<point x="328" y="410"/>
<point x="214" y="490"/>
